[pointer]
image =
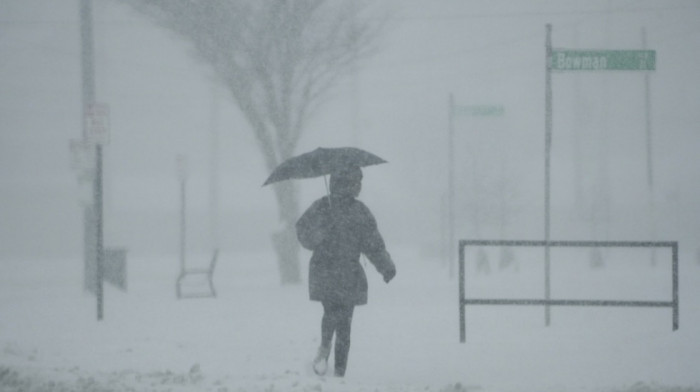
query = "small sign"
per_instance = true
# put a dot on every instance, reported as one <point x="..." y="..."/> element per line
<point x="115" y="267"/>
<point x="114" y="270"/>
<point x="97" y="123"/>
<point x="480" y="110"/>
<point x="603" y="60"/>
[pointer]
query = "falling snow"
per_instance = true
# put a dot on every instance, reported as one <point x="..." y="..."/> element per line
<point x="453" y="97"/>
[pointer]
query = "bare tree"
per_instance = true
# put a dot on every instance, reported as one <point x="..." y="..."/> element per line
<point x="278" y="59"/>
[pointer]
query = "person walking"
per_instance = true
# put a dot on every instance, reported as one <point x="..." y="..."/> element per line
<point x="338" y="228"/>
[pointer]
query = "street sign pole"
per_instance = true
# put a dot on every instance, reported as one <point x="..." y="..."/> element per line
<point x="547" y="153"/>
<point x="650" y="166"/>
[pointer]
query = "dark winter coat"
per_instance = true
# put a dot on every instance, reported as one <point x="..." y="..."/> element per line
<point x="338" y="232"/>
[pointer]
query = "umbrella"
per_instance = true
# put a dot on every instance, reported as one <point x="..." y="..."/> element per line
<point x="321" y="162"/>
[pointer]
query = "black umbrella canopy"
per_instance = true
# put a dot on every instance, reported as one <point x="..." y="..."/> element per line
<point x="321" y="162"/>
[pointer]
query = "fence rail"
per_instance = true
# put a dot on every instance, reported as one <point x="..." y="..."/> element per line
<point x="463" y="301"/>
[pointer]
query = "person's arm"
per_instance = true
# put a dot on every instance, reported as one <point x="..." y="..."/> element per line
<point x="374" y="248"/>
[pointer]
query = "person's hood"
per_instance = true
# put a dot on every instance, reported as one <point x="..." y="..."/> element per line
<point x="347" y="182"/>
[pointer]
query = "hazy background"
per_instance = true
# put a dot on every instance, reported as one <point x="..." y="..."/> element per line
<point x="164" y="102"/>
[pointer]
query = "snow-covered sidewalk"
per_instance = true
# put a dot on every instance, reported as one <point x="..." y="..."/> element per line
<point x="260" y="336"/>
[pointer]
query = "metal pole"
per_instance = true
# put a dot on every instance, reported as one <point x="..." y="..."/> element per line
<point x="88" y="84"/>
<point x="547" y="152"/>
<point x="462" y="292"/>
<point x="100" y="240"/>
<point x="647" y="111"/>
<point x="182" y="225"/>
<point x="450" y="183"/>
<point x="214" y="169"/>
<point x="578" y="129"/>
<point x="674" y="251"/>
<point x="181" y="165"/>
<point x="650" y="167"/>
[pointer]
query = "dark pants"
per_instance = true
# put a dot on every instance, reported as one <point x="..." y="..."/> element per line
<point x="337" y="318"/>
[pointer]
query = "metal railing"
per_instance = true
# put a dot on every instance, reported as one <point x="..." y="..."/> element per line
<point x="547" y="302"/>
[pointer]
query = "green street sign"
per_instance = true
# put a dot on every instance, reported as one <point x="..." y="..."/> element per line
<point x="480" y="110"/>
<point x="603" y="60"/>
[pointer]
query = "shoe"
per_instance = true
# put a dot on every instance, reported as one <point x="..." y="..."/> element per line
<point x="320" y="364"/>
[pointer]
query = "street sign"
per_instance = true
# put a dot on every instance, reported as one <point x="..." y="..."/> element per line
<point x="97" y="123"/>
<point x="480" y="110"/>
<point x="603" y="60"/>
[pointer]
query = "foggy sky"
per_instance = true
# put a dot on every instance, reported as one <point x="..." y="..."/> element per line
<point x="163" y="101"/>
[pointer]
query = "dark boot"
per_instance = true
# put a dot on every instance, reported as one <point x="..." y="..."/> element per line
<point x="342" y="349"/>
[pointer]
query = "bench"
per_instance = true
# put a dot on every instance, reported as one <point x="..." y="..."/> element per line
<point x="199" y="274"/>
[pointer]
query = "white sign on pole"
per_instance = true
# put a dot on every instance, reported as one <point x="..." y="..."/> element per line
<point x="97" y="123"/>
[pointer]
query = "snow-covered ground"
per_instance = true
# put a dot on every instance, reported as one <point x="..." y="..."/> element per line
<point x="260" y="336"/>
